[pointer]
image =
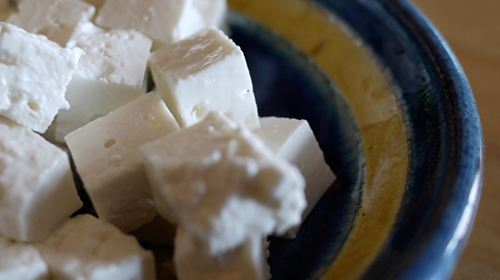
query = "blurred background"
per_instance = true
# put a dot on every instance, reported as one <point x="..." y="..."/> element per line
<point x="472" y="29"/>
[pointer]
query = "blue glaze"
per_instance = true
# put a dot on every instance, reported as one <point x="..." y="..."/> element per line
<point x="445" y="139"/>
<point x="446" y="160"/>
<point x="447" y="151"/>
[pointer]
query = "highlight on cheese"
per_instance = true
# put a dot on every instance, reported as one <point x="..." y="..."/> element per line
<point x="184" y="161"/>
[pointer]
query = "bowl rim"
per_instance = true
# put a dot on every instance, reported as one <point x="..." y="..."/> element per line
<point x="464" y="168"/>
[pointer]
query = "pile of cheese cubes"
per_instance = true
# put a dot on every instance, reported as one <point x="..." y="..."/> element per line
<point x="191" y="159"/>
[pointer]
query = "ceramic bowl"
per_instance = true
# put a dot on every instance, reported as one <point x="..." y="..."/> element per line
<point x="395" y="116"/>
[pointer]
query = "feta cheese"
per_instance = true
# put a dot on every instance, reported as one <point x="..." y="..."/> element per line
<point x="109" y="75"/>
<point x="248" y="261"/>
<point x="21" y="261"/>
<point x="37" y="191"/>
<point x="294" y="141"/>
<point x="35" y="73"/>
<point x="222" y="185"/>
<point x="85" y="247"/>
<point x="118" y="56"/>
<point x="164" y="21"/>
<point x="55" y="19"/>
<point x="106" y="155"/>
<point x="203" y="73"/>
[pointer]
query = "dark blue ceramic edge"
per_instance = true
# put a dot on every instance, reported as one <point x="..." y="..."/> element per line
<point x="434" y="254"/>
<point x="445" y="138"/>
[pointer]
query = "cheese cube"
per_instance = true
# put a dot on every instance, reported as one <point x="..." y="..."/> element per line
<point x="106" y="155"/>
<point x="166" y="21"/>
<point x="36" y="184"/>
<point x="117" y="56"/>
<point x="55" y="19"/>
<point x="222" y="185"/>
<point x="212" y="12"/>
<point x="35" y="73"/>
<point x="203" y="73"/>
<point x="294" y="141"/>
<point x="87" y="248"/>
<point x="248" y="261"/>
<point x="21" y="261"/>
<point x="110" y="74"/>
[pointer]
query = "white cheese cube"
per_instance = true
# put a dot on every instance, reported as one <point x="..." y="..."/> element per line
<point x="222" y="185"/>
<point x="85" y="247"/>
<point x="203" y="73"/>
<point x="106" y="155"/>
<point x="294" y="141"/>
<point x="21" y="261"/>
<point x="36" y="184"/>
<point x="248" y="261"/>
<point x="35" y="73"/>
<point x="213" y="12"/>
<point x="118" y="56"/>
<point x="166" y="21"/>
<point x="109" y="75"/>
<point x="55" y="19"/>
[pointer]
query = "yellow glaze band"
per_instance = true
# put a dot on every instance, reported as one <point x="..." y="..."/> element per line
<point x="372" y="99"/>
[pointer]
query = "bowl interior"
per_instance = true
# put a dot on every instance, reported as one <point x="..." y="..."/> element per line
<point x="395" y="117"/>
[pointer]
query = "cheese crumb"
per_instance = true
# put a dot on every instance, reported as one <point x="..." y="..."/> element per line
<point x="222" y="185"/>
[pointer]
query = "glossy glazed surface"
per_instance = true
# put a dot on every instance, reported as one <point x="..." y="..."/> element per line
<point x="421" y="144"/>
<point x="472" y="28"/>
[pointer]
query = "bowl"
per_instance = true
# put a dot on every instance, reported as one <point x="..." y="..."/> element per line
<point x="396" y="119"/>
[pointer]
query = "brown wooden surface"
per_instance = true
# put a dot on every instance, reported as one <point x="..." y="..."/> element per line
<point x="472" y="28"/>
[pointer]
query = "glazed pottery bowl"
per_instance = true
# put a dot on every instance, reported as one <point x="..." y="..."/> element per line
<point x="395" y="116"/>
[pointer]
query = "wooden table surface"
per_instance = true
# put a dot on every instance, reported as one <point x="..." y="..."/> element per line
<point x="472" y="28"/>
